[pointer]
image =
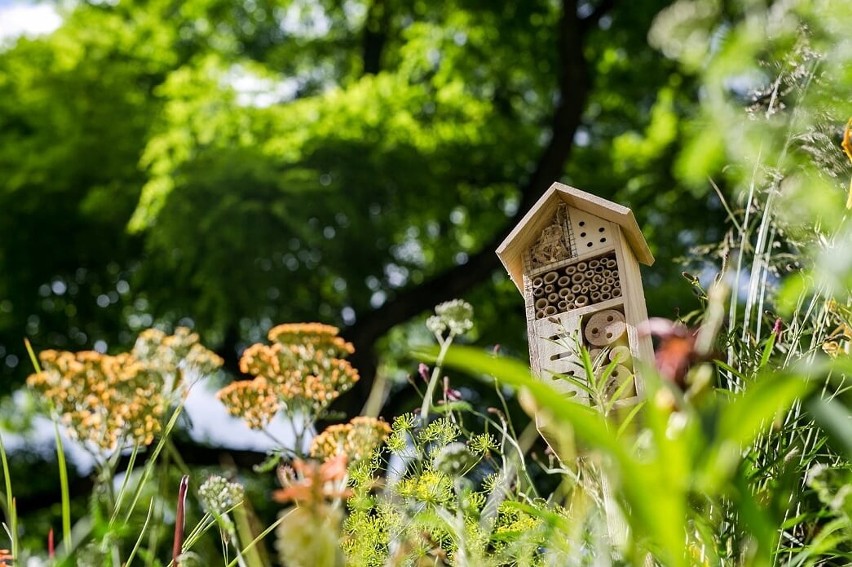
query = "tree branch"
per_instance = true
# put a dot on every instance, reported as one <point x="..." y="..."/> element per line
<point x="573" y="91"/>
<point x="375" y="36"/>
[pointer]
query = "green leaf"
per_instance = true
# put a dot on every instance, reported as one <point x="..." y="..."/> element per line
<point x="833" y="417"/>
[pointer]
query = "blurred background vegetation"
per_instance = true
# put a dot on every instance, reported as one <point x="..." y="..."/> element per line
<point x="233" y="165"/>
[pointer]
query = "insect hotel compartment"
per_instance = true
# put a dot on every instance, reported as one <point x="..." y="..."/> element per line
<point x="578" y="284"/>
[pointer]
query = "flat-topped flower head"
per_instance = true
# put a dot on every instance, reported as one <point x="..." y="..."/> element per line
<point x="304" y="366"/>
<point x="322" y="337"/>
<point x="109" y="402"/>
<point x="252" y="400"/>
<point x="356" y="439"/>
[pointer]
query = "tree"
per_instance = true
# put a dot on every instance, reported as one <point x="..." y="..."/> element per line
<point x="386" y="149"/>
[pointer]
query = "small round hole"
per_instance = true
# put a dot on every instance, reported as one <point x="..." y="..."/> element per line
<point x="609" y="318"/>
<point x="589" y="244"/>
<point x="596" y="331"/>
<point x="582" y="223"/>
<point x="603" y="239"/>
<point x="582" y="235"/>
<point x="609" y="335"/>
<point x="601" y="229"/>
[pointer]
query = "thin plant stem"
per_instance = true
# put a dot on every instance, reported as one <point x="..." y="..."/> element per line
<point x="65" y="496"/>
<point x="435" y="377"/>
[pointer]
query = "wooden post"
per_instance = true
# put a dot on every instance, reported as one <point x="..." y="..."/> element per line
<point x="575" y="258"/>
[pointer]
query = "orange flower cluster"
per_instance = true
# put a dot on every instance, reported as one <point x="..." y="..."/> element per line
<point x="356" y="439"/>
<point x="253" y="400"/>
<point x="109" y="401"/>
<point x="176" y="357"/>
<point x="304" y="367"/>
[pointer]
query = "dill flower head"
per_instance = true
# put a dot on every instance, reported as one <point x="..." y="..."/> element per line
<point x="219" y="496"/>
<point x="304" y="366"/>
<point x="455" y="316"/>
<point x="356" y="439"/>
<point x="253" y="400"/>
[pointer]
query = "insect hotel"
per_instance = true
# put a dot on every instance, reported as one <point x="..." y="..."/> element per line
<point x="575" y="258"/>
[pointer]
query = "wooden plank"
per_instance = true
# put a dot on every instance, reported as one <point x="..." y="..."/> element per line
<point x="635" y="311"/>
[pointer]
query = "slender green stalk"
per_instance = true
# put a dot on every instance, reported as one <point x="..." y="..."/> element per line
<point x="149" y="466"/>
<point x="10" y="501"/>
<point x="259" y="537"/>
<point x="141" y="535"/>
<point x="65" y="495"/>
<point x="433" y="379"/>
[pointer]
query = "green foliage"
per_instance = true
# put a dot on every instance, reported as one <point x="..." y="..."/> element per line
<point x="236" y="164"/>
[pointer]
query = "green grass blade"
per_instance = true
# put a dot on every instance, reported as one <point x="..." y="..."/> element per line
<point x="833" y="417"/>
<point x="65" y="495"/>
<point x="10" y="501"/>
<point x="259" y="537"/>
<point x="657" y="510"/>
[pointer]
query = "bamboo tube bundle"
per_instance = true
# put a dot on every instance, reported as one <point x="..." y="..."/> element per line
<point x="620" y="374"/>
<point x="563" y="306"/>
<point x="565" y="293"/>
<point x="621" y="354"/>
<point x="563" y="281"/>
<point x="540" y="305"/>
<point x="553" y="298"/>
<point x="570" y="270"/>
<point x="550" y="277"/>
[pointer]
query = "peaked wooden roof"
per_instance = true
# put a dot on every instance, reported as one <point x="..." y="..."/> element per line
<point x="525" y="234"/>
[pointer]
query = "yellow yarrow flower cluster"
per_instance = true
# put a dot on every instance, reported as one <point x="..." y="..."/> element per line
<point x="304" y="368"/>
<point x="356" y="439"/>
<point x="253" y="400"/>
<point x="111" y="401"/>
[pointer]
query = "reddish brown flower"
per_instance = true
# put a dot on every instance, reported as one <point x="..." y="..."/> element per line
<point x="676" y="350"/>
<point x="311" y="483"/>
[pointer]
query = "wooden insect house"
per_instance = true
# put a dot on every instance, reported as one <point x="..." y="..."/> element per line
<point x="575" y="258"/>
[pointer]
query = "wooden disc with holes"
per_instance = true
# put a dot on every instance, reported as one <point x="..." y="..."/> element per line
<point x="605" y="328"/>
